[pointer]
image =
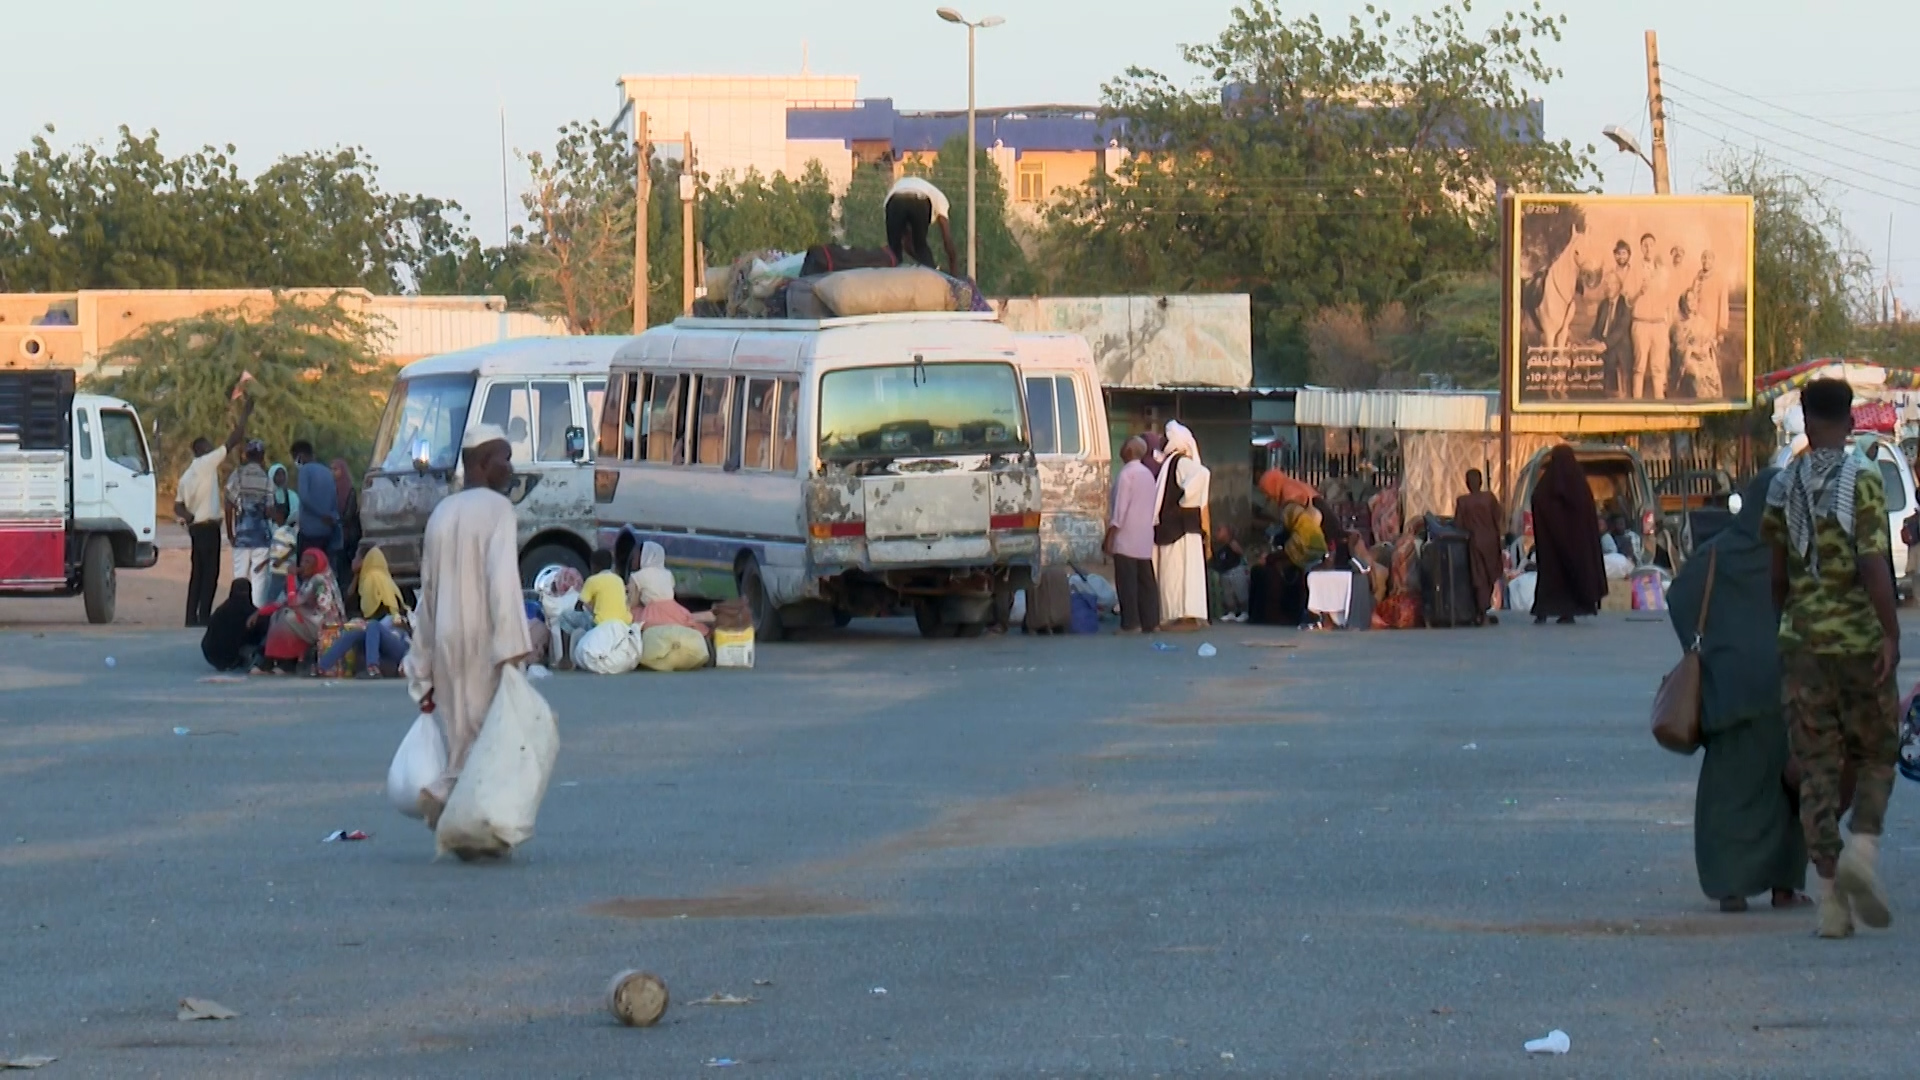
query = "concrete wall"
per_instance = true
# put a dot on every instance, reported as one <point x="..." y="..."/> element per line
<point x="1150" y="341"/>
<point x="416" y="326"/>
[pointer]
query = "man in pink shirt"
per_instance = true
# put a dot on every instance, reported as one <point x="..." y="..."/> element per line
<point x="1130" y="541"/>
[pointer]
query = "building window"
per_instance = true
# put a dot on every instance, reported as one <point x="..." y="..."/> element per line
<point x="1033" y="182"/>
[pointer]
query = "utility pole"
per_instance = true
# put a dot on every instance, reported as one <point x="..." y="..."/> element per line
<point x="643" y="193"/>
<point x="686" y="225"/>
<point x="1657" y="107"/>
<point x="973" y="200"/>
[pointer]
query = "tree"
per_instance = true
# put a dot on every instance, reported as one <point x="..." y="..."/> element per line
<point x="1314" y="169"/>
<point x="1352" y="351"/>
<point x="317" y="375"/>
<point x="1002" y="263"/>
<point x="758" y="214"/>
<point x="580" y="204"/>
<point x="1455" y="332"/>
<point x="133" y="218"/>
<point x="863" y="219"/>
<point x="1811" y="284"/>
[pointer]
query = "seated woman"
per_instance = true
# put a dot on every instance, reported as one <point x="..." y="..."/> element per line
<point x="294" y="627"/>
<point x="382" y="637"/>
<point x="654" y="585"/>
<point x="1400" y="610"/>
<point x="233" y="638"/>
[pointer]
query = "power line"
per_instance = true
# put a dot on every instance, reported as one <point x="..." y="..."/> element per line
<point x="1785" y="163"/>
<point x="1795" y="112"/>
<point x="1798" y="134"/>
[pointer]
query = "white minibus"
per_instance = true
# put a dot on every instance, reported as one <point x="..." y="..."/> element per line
<point x="826" y="470"/>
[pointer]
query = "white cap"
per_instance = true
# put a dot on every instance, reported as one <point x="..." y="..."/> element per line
<point x="481" y="435"/>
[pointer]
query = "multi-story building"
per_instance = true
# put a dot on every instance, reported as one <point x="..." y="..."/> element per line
<point x="781" y="123"/>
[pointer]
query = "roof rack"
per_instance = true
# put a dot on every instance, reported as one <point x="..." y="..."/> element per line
<point x="691" y="323"/>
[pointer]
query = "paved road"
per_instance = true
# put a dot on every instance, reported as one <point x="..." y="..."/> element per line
<point x="1313" y="855"/>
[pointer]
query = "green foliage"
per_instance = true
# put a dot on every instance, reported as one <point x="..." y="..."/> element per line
<point x="863" y="219"/>
<point x="580" y="207"/>
<point x="1002" y="265"/>
<point x="1811" y="285"/>
<point x="317" y="375"/>
<point x="1315" y="168"/>
<point x="754" y="213"/>
<point x="1455" y="333"/>
<point x="133" y="218"/>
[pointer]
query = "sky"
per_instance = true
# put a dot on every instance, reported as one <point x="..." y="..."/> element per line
<point x="421" y="84"/>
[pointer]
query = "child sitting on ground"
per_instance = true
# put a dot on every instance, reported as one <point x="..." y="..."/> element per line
<point x="603" y="599"/>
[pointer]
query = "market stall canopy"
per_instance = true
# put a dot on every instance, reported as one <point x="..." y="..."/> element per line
<point x="1862" y="375"/>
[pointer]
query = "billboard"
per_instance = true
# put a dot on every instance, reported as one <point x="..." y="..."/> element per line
<point x="1629" y="303"/>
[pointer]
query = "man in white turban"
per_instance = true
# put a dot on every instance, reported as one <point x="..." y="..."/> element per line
<point x="471" y="620"/>
<point x="1180" y="532"/>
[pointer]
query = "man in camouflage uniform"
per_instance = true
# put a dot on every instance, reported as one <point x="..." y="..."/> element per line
<point x="1826" y="520"/>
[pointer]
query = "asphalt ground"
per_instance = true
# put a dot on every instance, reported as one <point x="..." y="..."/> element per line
<point x="1379" y="854"/>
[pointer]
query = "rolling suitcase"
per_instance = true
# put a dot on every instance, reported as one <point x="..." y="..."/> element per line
<point x="1050" y="603"/>
<point x="1446" y="579"/>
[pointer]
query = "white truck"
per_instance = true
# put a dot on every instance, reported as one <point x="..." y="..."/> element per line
<point x="76" y="491"/>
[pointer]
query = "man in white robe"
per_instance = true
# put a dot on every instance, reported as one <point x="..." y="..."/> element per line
<point x="471" y="620"/>
<point x="1180" y="532"/>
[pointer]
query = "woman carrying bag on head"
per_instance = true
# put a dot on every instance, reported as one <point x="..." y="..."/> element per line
<point x="1746" y="834"/>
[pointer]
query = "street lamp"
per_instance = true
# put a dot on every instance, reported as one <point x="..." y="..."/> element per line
<point x="1624" y="139"/>
<point x="973" y="202"/>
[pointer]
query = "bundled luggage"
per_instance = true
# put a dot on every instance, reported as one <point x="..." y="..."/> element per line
<point x="830" y="258"/>
<point x="1050" y="602"/>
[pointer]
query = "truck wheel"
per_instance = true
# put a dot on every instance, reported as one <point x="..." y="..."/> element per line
<point x="97" y="580"/>
<point x="546" y="555"/>
<point x="842" y="618"/>
<point x="926" y="614"/>
<point x="753" y="589"/>
<point x="969" y="629"/>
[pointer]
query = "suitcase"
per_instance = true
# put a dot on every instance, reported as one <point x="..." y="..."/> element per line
<point x="1446" y="580"/>
<point x="827" y="258"/>
<point x="1050" y="603"/>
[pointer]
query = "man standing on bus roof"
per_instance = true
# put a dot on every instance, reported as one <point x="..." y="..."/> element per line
<point x="914" y="205"/>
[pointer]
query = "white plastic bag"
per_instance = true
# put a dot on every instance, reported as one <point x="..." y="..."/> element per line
<point x="498" y="795"/>
<point x="1520" y="592"/>
<point x="612" y="648"/>
<point x="421" y="759"/>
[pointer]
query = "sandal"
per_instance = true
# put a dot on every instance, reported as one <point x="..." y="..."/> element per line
<point x="1787" y="898"/>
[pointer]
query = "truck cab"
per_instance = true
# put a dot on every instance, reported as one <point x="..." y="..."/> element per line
<point x="77" y="491"/>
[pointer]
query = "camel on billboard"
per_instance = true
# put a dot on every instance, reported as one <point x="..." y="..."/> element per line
<point x="1630" y="303"/>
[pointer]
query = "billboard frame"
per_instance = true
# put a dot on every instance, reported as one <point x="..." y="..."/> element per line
<point x="1511" y="317"/>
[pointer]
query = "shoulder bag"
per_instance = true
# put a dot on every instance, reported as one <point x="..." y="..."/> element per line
<point x="1676" y="706"/>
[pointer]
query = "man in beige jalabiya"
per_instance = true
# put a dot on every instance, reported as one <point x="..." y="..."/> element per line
<point x="471" y="620"/>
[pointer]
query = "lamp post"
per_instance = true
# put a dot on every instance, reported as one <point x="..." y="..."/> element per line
<point x="1624" y="139"/>
<point x="973" y="202"/>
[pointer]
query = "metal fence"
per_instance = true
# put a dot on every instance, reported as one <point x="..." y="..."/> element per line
<point x="1316" y="467"/>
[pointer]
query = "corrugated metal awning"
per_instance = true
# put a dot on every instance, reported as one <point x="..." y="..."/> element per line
<point x="1473" y="411"/>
